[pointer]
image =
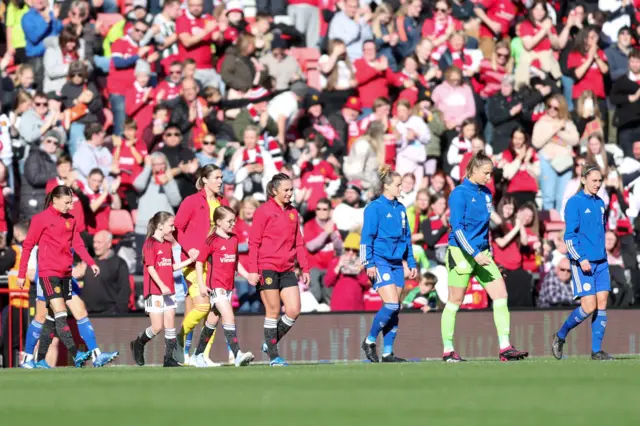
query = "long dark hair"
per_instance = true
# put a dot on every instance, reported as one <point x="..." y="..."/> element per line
<point x="534" y="4"/>
<point x="204" y="172"/>
<point x="274" y="184"/>
<point x="580" y="42"/>
<point x="57" y="192"/>
<point x="157" y="220"/>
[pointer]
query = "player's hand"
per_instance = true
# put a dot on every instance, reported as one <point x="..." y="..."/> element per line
<point x="253" y="279"/>
<point x="585" y="266"/>
<point x="204" y="291"/>
<point x="96" y="270"/>
<point x="193" y="254"/>
<point x="413" y="273"/>
<point x="21" y="282"/>
<point x="482" y="259"/>
<point x="165" y="290"/>
<point x="372" y="273"/>
<point x="306" y="278"/>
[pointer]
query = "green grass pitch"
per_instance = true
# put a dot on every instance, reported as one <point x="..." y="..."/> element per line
<point x="575" y="391"/>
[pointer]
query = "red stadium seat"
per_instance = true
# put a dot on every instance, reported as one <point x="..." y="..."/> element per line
<point x="120" y="222"/>
<point x="313" y="79"/>
<point x="108" y="118"/>
<point x="107" y="20"/>
<point x="307" y="57"/>
<point x="132" y="295"/>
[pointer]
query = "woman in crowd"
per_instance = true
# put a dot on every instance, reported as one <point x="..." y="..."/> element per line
<point x="597" y="154"/>
<point x="338" y="79"/>
<point x="529" y="217"/>
<point x="385" y="36"/>
<point x="587" y="117"/>
<point x="460" y="145"/>
<point x="365" y="156"/>
<point x="247" y="295"/>
<point x="60" y="53"/>
<point x="435" y="230"/>
<point x="521" y="168"/>
<point x="276" y="224"/>
<point x="454" y="98"/>
<point x="347" y="277"/>
<point x="554" y="135"/>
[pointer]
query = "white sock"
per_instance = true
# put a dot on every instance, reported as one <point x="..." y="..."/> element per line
<point x="504" y="342"/>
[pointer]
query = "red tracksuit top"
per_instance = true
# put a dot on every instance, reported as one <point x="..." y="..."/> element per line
<point x="275" y="239"/>
<point x="193" y="221"/>
<point x="55" y="233"/>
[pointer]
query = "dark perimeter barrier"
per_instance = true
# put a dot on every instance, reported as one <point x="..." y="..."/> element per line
<point x="337" y="337"/>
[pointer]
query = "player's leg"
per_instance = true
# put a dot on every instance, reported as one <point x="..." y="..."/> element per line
<point x="459" y="269"/>
<point x="154" y="307"/>
<point x="290" y="296"/>
<point x="602" y="280"/>
<point x="584" y="288"/>
<point x="390" y="331"/>
<point x="496" y="288"/>
<point x="212" y="318"/>
<point x="270" y="294"/>
<point x="388" y="292"/>
<point x="190" y="320"/>
<point x="79" y="310"/>
<point x="34" y="331"/>
<point x="170" y="343"/>
<point x="223" y="306"/>
<point x="206" y="335"/>
<point x="57" y="302"/>
<point x="188" y="307"/>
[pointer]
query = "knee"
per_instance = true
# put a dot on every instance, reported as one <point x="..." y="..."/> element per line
<point x="589" y="305"/>
<point x="156" y="329"/>
<point x="292" y="312"/>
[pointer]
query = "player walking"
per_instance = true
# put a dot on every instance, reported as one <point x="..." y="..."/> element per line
<point x="385" y="250"/>
<point x="193" y="222"/>
<point x="274" y="243"/>
<point x="468" y="255"/>
<point x="220" y="254"/>
<point x="584" y="237"/>
<point x="159" y="288"/>
<point x="54" y="231"/>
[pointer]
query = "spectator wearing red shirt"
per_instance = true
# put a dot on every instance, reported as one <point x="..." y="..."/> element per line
<point x="496" y="17"/>
<point x="539" y="39"/>
<point x="381" y="113"/>
<point x="172" y="85"/>
<point x="102" y="198"/>
<point x="66" y="176"/>
<point x="247" y="295"/>
<point x="439" y="28"/>
<point x="373" y="76"/>
<point x="125" y="53"/>
<point x="323" y="243"/>
<point x="128" y="155"/>
<point x="197" y="31"/>
<point x="488" y="80"/>
<point x="436" y="230"/>
<point x="478" y="144"/>
<point x="588" y="65"/>
<point x="521" y="168"/>
<point x="347" y="278"/>
<point x="317" y="175"/>
<point x="142" y="98"/>
<point x="528" y="216"/>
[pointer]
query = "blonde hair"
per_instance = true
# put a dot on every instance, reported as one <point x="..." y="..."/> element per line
<point x="386" y="175"/>
<point x="21" y="70"/>
<point x="591" y="157"/>
<point x="249" y="201"/>
<point x="478" y="160"/>
<point x="376" y="25"/>
<point x="375" y="137"/>
<point x="157" y="220"/>
<point x="563" y="110"/>
<point x="502" y="44"/>
<point x="220" y="213"/>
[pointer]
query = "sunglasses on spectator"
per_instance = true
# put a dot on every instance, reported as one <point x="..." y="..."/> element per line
<point x="350" y="250"/>
<point x="176" y="72"/>
<point x="554" y="107"/>
<point x="564" y="269"/>
<point x="502" y="55"/>
<point x="171" y="134"/>
<point x="208" y="142"/>
<point x="77" y="75"/>
<point x="140" y="30"/>
<point x="51" y="140"/>
<point x="441" y="9"/>
<point x="41" y="104"/>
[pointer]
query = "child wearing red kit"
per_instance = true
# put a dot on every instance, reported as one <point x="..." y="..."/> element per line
<point x="159" y="289"/>
<point x="220" y="252"/>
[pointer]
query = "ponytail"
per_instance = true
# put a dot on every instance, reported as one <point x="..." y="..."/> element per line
<point x="157" y="220"/>
<point x="204" y="172"/>
<point x="386" y="176"/>
<point x="274" y="184"/>
<point x="478" y="160"/>
<point x="57" y="192"/>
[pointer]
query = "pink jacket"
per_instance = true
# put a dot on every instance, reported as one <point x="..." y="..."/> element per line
<point x="455" y="103"/>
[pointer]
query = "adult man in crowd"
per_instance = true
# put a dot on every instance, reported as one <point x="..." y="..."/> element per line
<point x="107" y="293"/>
<point x="556" y="287"/>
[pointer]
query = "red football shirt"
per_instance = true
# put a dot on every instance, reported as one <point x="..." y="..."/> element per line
<point x="99" y="220"/>
<point x="201" y="52"/>
<point x="129" y="168"/>
<point x="522" y="181"/>
<point x="321" y="258"/>
<point x="119" y="80"/>
<point x="509" y="257"/>
<point x="501" y="11"/>
<point x="221" y="256"/>
<point x="242" y="231"/>
<point x="592" y="80"/>
<point x="160" y="256"/>
<point x="77" y="211"/>
<point x="530" y="30"/>
<point x="315" y="177"/>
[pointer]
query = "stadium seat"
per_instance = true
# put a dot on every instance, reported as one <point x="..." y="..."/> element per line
<point x="120" y="222"/>
<point x="108" y="118"/>
<point x="132" y="295"/>
<point x="307" y="57"/>
<point x="107" y="20"/>
<point x="313" y="79"/>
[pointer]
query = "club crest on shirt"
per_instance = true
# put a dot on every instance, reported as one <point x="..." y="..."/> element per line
<point x="292" y="216"/>
<point x="67" y="224"/>
<point x="57" y="290"/>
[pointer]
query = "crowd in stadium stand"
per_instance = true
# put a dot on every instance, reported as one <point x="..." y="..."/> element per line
<point x="123" y="101"/>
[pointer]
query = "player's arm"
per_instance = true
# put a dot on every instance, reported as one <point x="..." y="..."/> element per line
<point x="301" y="252"/>
<point x="156" y="278"/>
<point x="457" y="207"/>
<point x="369" y="233"/>
<point x="571" y="239"/>
<point x="36" y="229"/>
<point x="204" y="254"/>
<point x="81" y="250"/>
<point x="241" y="271"/>
<point x="180" y="223"/>
<point x="408" y="256"/>
<point x="180" y="265"/>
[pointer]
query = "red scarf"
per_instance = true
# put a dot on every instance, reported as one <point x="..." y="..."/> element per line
<point x="460" y="59"/>
<point x="253" y="157"/>
<point x="268" y="142"/>
<point x="200" y="129"/>
<point x="68" y="57"/>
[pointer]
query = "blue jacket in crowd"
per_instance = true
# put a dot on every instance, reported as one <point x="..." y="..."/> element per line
<point x="36" y="30"/>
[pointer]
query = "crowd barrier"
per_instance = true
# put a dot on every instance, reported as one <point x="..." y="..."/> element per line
<point x="337" y="337"/>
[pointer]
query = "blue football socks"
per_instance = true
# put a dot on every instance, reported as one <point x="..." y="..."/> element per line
<point x="575" y="318"/>
<point x="381" y="319"/>
<point x="598" y="326"/>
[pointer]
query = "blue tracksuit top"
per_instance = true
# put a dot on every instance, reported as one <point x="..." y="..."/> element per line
<point x="386" y="237"/>
<point x="471" y="206"/>
<point x="584" y="235"/>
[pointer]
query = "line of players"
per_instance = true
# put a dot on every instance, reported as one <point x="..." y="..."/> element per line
<point x="204" y="227"/>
